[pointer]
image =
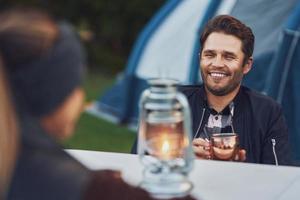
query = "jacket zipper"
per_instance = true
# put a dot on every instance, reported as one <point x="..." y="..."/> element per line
<point x="200" y="124"/>
<point x="274" y="152"/>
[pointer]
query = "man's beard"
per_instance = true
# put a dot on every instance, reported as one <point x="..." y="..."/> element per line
<point x="223" y="91"/>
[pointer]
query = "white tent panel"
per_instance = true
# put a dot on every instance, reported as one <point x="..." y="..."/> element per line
<point x="225" y="7"/>
<point x="168" y="53"/>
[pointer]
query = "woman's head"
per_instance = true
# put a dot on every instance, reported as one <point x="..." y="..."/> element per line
<point x="44" y="61"/>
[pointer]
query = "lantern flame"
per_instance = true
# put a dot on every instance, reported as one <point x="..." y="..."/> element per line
<point x="165" y="146"/>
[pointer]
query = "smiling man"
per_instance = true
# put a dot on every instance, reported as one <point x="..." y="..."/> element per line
<point x="222" y="105"/>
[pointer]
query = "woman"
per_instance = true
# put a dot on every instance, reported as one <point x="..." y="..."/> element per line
<point x="44" y="64"/>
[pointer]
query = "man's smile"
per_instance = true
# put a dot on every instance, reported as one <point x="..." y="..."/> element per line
<point x="217" y="75"/>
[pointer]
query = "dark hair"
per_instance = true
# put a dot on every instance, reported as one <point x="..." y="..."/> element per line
<point x="25" y="35"/>
<point x="232" y="26"/>
<point x="44" y="59"/>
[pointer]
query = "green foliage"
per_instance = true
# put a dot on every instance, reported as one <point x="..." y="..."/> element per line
<point x="115" y="25"/>
<point x="96" y="134"/>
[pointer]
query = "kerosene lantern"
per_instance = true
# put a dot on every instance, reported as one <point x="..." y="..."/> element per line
<point x="164" y="144"/>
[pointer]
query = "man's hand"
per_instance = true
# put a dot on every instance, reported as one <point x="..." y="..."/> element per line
<point x="202" y="150"/>
<point x="241" y="155"/>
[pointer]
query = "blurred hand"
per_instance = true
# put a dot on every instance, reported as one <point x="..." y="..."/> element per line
<point x="189" y="197"/>
<point x="109" y="185"/>
<point x="184" y="198"/>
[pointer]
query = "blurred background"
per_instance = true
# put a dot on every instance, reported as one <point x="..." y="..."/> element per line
<point x="108" y="29"/>
<point x="128" y="42"/>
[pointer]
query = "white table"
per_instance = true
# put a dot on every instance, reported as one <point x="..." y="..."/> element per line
<point x="211" y="179"/>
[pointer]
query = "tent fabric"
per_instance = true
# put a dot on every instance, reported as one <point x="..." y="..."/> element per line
<point x="266" y="21"/>
<point x="169" y="47"/>
<point x="288" y="94"/>
<point x="283" y="84"/>
<point x="255" y="14"/>
<point x="173" y="40"/>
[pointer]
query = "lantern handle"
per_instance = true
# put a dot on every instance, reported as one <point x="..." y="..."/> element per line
<point x="187" y="127"/>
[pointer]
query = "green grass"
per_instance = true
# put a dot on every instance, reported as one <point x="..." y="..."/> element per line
<point x="97" y="134"/>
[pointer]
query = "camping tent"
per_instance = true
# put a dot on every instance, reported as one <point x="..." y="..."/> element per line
<point x="168" y="47"/>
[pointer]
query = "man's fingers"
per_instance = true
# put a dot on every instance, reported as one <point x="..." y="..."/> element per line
<point x="201" y="148"/>
<point x="201" y="152"/>
<point x="241" y="155"/>
<point x="201" y="142"/>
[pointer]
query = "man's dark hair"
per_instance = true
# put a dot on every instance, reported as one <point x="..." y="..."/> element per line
<point x="231" y="26"/>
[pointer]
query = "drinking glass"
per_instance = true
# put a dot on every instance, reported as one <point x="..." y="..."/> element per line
<point x="224" y="146"/>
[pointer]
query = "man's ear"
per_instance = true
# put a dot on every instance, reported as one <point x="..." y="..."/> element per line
<point x="248" y="65"/>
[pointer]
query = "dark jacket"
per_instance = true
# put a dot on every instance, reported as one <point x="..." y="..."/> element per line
<point x="258" y="120"/>
<point x="44" y="171"/>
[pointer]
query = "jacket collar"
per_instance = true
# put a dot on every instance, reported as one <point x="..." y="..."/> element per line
<point x="236" y="100"/>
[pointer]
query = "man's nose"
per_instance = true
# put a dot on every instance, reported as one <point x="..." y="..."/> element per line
<point x="218" y="61"/>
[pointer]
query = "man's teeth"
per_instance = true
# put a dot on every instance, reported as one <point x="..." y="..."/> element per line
<point x="217" y="74"/>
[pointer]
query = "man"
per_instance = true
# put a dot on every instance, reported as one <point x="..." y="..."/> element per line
<point x="221" y="104"/>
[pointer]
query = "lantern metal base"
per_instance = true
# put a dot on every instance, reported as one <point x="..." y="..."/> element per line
<point x="166" y="185"/>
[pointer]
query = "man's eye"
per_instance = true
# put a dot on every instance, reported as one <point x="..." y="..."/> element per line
<point x="229" y="57"/>
<point x="209" y="55"/>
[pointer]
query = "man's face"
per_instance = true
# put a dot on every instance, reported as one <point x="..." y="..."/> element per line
<point x="221" y="63"/>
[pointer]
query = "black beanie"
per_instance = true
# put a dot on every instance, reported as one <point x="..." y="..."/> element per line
<point x="41" y="85"/>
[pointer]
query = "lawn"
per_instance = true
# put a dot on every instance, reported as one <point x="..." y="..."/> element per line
<point x="97" y="134"/>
